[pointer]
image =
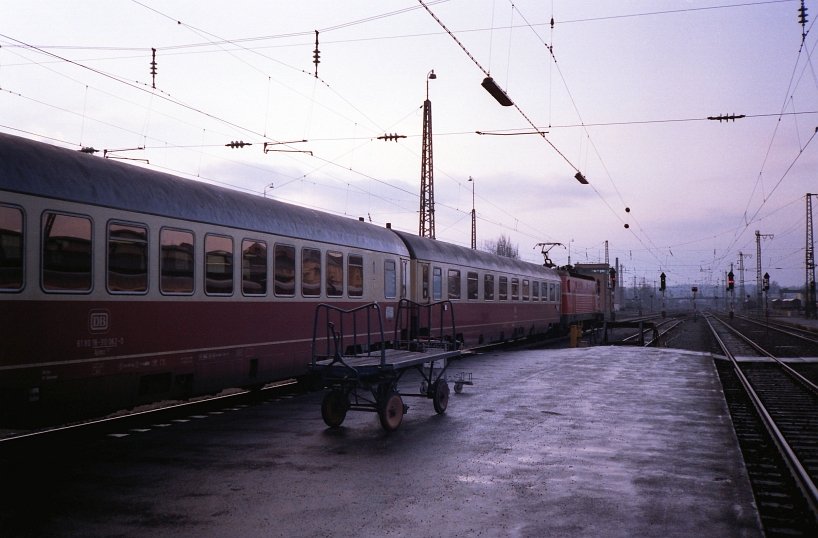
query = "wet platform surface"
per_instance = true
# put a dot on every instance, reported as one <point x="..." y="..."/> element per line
<point x="586" y="442"/>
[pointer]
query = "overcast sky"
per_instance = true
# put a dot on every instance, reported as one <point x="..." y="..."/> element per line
<point x="622" y="90"/>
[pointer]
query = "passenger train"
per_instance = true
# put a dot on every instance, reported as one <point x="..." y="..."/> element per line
<point x="121" y="285"/>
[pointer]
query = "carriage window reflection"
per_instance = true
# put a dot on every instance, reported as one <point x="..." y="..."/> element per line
<point x="535" y="291"/>
<point x="176" y="261"/>
<point x="454" y="284"/>
<point x="11" y="248"/>
<point x="355" y="278"/>
<point x="488" y="287"/>
<point x="335" y="274"/>
<point x="503" y="293"/>
<point x="471" y="285"/>
<point x="515" y="289"/>
<point x="253" y="267"/>
<point x="127" y="258"/>
<point x="310" y="272"/>
<point x="526" y="290"/>
<point x="390" y="279"/>
<point x="218" y="264"/>
<point x="284" y="270"/>
<point x="66" y="261"/>
<point x="437" y="283"/>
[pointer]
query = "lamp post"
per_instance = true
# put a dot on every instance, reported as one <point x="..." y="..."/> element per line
<point x="270" y="186"/>
<point x="427" y="188"/>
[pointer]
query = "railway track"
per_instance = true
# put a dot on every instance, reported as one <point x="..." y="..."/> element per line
<point x="23" y="440"/>
<point x="775" y="414"/>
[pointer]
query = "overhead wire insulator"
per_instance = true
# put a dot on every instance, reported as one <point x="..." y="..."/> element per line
<point x="802" y="20"/>
<point x="393" y="136"/>
<point x="153" y="67"/>
<point x="316" y="54"/>
<point x="238" y="144"/>
<point x="727" y="117"/>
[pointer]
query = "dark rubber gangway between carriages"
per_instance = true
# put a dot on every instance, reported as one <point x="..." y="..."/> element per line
<point x="362" y="369"/>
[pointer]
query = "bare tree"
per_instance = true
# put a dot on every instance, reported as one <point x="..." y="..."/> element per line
<point x="502" y="247"/>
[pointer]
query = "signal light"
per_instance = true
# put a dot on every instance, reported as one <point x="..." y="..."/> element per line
<point x="730" y="281"/>
<point x="766" y="282"/>
<point x="662" y="285"/>
<point x="612" y="282"/>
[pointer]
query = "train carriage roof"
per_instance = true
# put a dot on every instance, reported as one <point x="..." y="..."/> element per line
<point x="438" y="251"/>
<point x="40" y="169"/>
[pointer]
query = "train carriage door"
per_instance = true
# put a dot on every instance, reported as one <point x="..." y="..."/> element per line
<point x="404" y="277"/>
<point x="423" y="296"/>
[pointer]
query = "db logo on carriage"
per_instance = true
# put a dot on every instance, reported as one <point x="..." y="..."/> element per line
<point x="98" y="321"/>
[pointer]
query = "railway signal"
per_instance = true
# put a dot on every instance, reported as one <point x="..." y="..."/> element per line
<point x="731" y="282"/>
<point x="662" y="287"/>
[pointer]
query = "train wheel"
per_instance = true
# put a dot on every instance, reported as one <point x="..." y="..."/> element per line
<point x="440" y="399"/>
<point x="391" y="411"/>
<point x="458" y="388"/>
<point x="334" y="408"/>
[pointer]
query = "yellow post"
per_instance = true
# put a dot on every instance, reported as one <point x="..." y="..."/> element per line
<point x="574" y="335"/>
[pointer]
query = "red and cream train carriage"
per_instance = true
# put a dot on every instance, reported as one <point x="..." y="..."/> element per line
<point x="121" y="285"/>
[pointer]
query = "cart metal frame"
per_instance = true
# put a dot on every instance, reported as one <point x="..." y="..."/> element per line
<point x="362" y="369"/>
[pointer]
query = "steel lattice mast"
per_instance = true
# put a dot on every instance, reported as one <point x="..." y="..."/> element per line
<point x="427" y="182"/>
<point x="809" y="305"/>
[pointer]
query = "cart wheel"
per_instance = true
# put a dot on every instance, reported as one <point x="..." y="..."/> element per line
<point x="441" y="396"/>
<point x="390" y="411"/>
<point x="458" y="388"/>
<point x="334" y="408"/>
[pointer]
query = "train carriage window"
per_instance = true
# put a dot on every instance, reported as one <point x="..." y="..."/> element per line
<point x="67" y="255"/>
<point x="552" y="292"/>
<point x="488" y="287"/>
<point x="503" y="293"/>
<point x="437" y="283"/>
<point x="454" y="283"/>
<point x="11" y="248"/>
<point x="176" y="261"/>
<point x="127" y="258"/>
<point x="515" y="289"/>
<point x="253" y="267"/>
<point x="335" y="274"/>
<point x="526" y="290"/>
<point x="355" y="275"/>
<point x="218" y="264"/>
<point x="390" y="279"/>
<point x="544" y="290"/>
<point x="471" y="285"/>
<point x="310" y="272"/>
<point x="535" y="291"/>
<point x="284" y="270"/>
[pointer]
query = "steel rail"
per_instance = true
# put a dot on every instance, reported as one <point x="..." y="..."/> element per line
<point x="800" y="378"/>
<point x="785" y="329"/>
<point x="799" y="473"/>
